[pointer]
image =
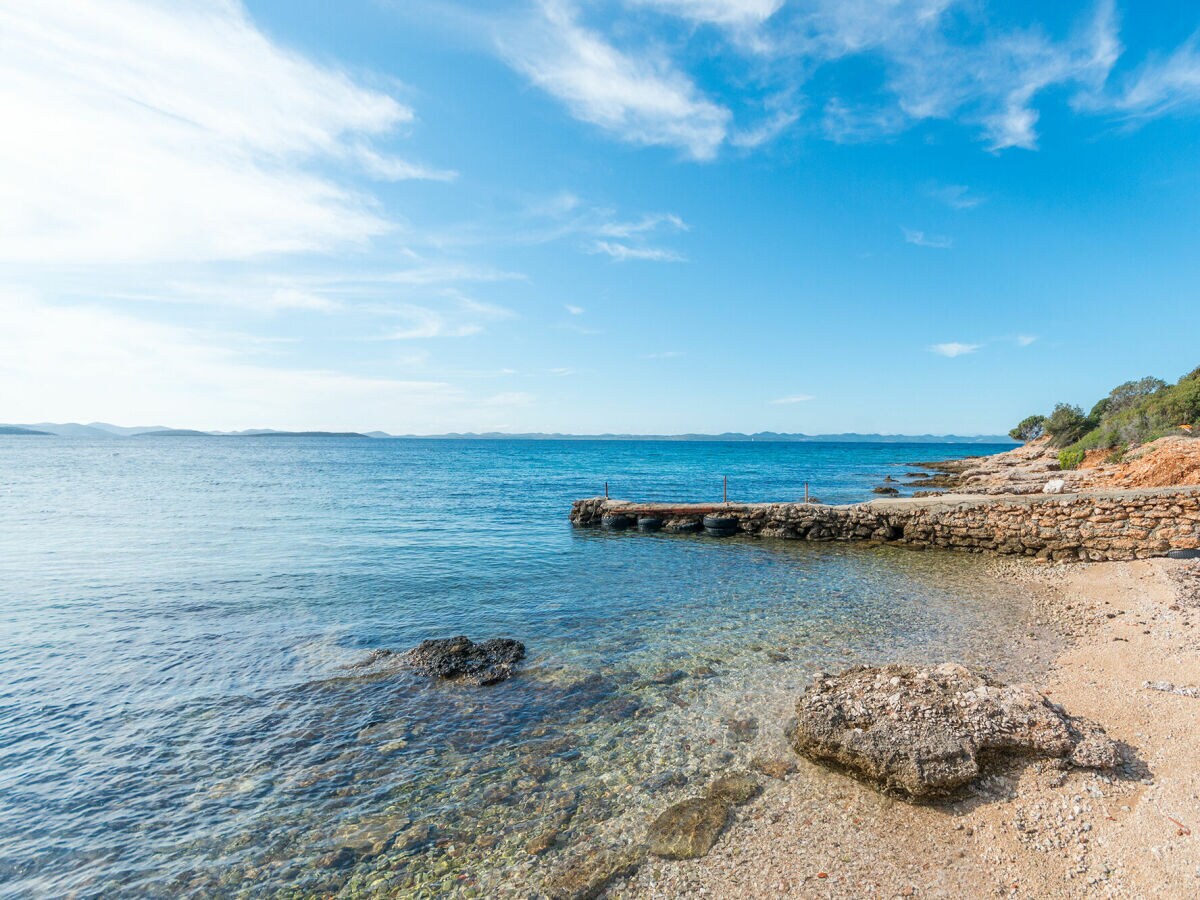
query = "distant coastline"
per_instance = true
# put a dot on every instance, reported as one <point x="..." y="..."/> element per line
<point x="106" y="431"/>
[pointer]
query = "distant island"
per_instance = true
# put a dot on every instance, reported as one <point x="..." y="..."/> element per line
<point x="103" y="430"/>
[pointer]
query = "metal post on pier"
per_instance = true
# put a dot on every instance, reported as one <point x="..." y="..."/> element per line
<point x="606" y="490"/>
<point x="726" y="492"/>
<point x="806" y="492"/>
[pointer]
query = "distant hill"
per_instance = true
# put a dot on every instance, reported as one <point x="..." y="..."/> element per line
<point x="269" y="433"/>
<point x="107" y="431"/>
<point x="727" y="437"/>
<point x="125" y="431"/>
<point x="17" y="429"/>
<point x="172" y="432"/>
<point x="69" y="429"/>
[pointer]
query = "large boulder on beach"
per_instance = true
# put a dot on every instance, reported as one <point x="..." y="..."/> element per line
<point x="461" y="659"/>
<point x="926" y="731"/>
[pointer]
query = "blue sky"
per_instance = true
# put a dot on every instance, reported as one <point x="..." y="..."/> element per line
<point x="633" y="215"/>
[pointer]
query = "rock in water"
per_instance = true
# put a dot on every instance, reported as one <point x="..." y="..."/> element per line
<point x="459" y="658"/>
<point x="689" y="828"/>
<point x="923" y="732"/>
<point x="588" y="877"/>
<point x="736" y="789"/>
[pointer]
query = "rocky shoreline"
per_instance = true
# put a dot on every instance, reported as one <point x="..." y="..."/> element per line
<point x="1034" y="468"/>
<point x="1030" y="826"/>
<point x="943" y="782"/>
<point x="1092" y="526"/>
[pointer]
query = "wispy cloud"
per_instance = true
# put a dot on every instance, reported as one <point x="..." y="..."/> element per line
<point x="202" y="137"/>
<point x="86" y="362"/>
<point x="429" y="274"/>
<point x="730" y="13"/>
<point x="646" y="223"/>
<point x="625" y="253"/>
<point x="1024" y="340"/>
<point x="794" y="398"/>
<point x="953" y="349"/>
<point x="391" y="168"/>
<point x="921" y="239"/>
<point x="663" y="354"/>
<point x="641" y="99"/>
<point x="939" y="60"/>
<point x="460" y="316"/>
<point x="573" y="310"/>
<point x="422" y="322"/>
<point x="955" y="196"/>
<point x="1159" y="86"/>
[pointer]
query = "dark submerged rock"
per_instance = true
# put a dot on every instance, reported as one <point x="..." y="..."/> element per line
<point x="742" y="730"/>
<point x="460" y="658"/>
<point x="588" y="876"/>
<point x="773" y="767"/>
<point x="735" y="789"/>
<point x="688" y="829"/>
<point x="926" y="732"/>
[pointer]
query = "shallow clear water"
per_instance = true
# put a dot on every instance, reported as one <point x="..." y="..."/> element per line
<point x="176" y="616"/>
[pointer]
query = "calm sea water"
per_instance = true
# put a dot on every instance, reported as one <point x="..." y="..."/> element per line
<point x="177" y="616"/>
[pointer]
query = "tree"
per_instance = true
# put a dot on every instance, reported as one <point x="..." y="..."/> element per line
<point x="1125" y="395"/>
<point x="1066" y="424"/>
<point x="1029" y="429"/>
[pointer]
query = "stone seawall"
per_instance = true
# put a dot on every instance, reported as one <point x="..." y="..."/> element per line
<point x="1095" y="526"/>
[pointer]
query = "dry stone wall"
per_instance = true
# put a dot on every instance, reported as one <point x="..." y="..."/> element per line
<point x="1107" y="525"/>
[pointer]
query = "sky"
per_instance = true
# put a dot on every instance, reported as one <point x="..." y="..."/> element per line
<point x="647" y="216"/>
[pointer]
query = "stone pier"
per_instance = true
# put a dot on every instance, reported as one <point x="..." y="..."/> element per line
<point x="1093" y="526"/>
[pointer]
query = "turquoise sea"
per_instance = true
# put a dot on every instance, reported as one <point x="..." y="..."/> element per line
<point x="177" y="615"/>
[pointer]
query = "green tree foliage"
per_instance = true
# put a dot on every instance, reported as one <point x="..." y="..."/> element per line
<point x="1028" y="429"/>
<point x="1066" y="425"/>
<point x="1126" y="395"/>
<point x="1135" y="412"/>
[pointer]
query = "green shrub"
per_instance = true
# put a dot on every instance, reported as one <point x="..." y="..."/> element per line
<point x="1117" y="455"/>
<point x="1070" y="458"/>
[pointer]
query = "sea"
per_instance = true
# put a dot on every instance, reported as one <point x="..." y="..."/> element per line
<point x="182" y="619"/>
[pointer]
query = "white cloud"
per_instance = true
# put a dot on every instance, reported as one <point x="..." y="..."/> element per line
<point x="794" y="398"/>
<point x="664" y="354"/>
<point x="766" y="130"/>
<point x="79" y="363"/>
<point x="953" y="349"/>
<point x="993" y="83"/>
<point x="641" y="100"/>
<point x="642" y="225"/>
<point x="151" y="131"/>
<point x="625" y="253"/>
<point x="730" y="13"/>
<point x="391" y="168"/>
<point x="921" y="239"/>
<point x="461" y="317"/>
<point x="955" y="196"/>
<point x="573" y="310"/>
<point x="423" y="322"/>
<point x="1024" y="340"/>
<point x="430" y="274"/>
<point x="1160" y="85"/>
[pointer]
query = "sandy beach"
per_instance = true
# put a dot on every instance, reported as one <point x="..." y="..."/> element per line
<point x="1028" y="828"/>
